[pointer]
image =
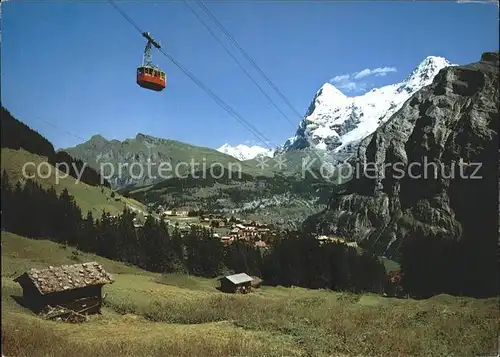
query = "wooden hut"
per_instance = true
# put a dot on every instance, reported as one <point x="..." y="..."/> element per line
<point x="236" y="283"/>
<point x="75" y="287"/>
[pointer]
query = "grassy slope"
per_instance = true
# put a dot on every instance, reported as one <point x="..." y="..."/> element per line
<point x="146" y="314"/>
<point x="87" y="197"/>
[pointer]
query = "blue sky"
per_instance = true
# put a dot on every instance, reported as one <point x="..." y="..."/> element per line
<point x="68" y="69"/>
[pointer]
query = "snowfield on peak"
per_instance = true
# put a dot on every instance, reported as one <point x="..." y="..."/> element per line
<point x="336" y="122"/>
<point x="244" y="152"/>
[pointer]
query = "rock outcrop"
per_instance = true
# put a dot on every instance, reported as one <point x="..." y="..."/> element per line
<point x="431" y="169"/>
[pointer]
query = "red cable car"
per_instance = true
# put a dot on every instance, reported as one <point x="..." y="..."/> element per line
<point x="150" y="76"/>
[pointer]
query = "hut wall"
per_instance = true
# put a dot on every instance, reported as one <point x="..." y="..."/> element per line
<point x="32" y="298"/>
<point x="77" y="299"/>
<point x="227" y="286"/>
<point x="247" y="286"/>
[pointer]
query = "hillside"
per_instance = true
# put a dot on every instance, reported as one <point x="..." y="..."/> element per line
<point x="22" y="145"/>
<point x="17" y="135"/>
<point x="89" y="198"/>
<point x="148" y="314"/>
<point x="454" y="119"/>
<point x="173" y="158"/>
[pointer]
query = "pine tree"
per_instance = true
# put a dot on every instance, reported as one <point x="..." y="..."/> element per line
<point x="155" y="245"/>
<point x="88" y="235"/>
<point x="7" y="202"/>
<point x="127" y="244"/>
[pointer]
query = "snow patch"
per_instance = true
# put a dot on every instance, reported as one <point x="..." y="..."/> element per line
<point x="245" y="152"/>
<point x="335" y="121"/>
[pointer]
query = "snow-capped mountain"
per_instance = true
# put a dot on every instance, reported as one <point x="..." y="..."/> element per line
<point x="336" y="122"/>
<point x="245" y="152"/>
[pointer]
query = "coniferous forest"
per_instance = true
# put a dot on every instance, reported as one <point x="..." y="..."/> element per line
<point x="295" y="258"/>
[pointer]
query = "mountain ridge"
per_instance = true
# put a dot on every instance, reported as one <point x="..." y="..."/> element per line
<point x="336" y="122"/>
<point x="148" y="151"/>
<point x="454" y="119"/>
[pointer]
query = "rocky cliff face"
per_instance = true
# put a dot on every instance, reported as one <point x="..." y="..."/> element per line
<point x="453" y="120"/>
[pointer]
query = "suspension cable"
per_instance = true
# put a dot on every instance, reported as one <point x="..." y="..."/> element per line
<point x="254" y="131"/>
<point x="186" y="2"/>
<point x="247" y="56"/>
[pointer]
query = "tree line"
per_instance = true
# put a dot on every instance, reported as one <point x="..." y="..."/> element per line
<point x="17" y="135"/>
<point x="294" y="258"/>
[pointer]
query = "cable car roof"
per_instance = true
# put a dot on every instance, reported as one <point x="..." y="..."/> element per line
<point x="150" y="67"/>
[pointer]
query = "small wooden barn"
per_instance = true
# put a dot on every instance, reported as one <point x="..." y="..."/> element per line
<point x="75" y="287"/>
<point x="236" y="283"/>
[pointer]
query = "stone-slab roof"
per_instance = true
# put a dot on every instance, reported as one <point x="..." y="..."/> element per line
<point x="67" y="277"/>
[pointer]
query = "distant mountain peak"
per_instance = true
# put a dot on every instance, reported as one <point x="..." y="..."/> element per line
<point x="330" y="91"/>
<point x="244" y="152"/>
<point x="141" y="136"/>
<point x="336" y="122"/>
<point x="97" y="137"/>
<point x="425" y="72"/>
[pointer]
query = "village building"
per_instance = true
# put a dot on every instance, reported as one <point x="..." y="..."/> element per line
<point x="236" y="283"/>
<point x="137" y="223"/>
<point x="260" y="244"/>
<point x="184" y="229"/>
<point x="75" y="287"/>
<point x="325" y="239"/>
<point x="245" y="237"/>
<point x="333" y="239"/>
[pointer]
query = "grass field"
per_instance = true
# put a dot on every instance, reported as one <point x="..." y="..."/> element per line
<point x="95" y="199"/>
<point x="149" y="314"/>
